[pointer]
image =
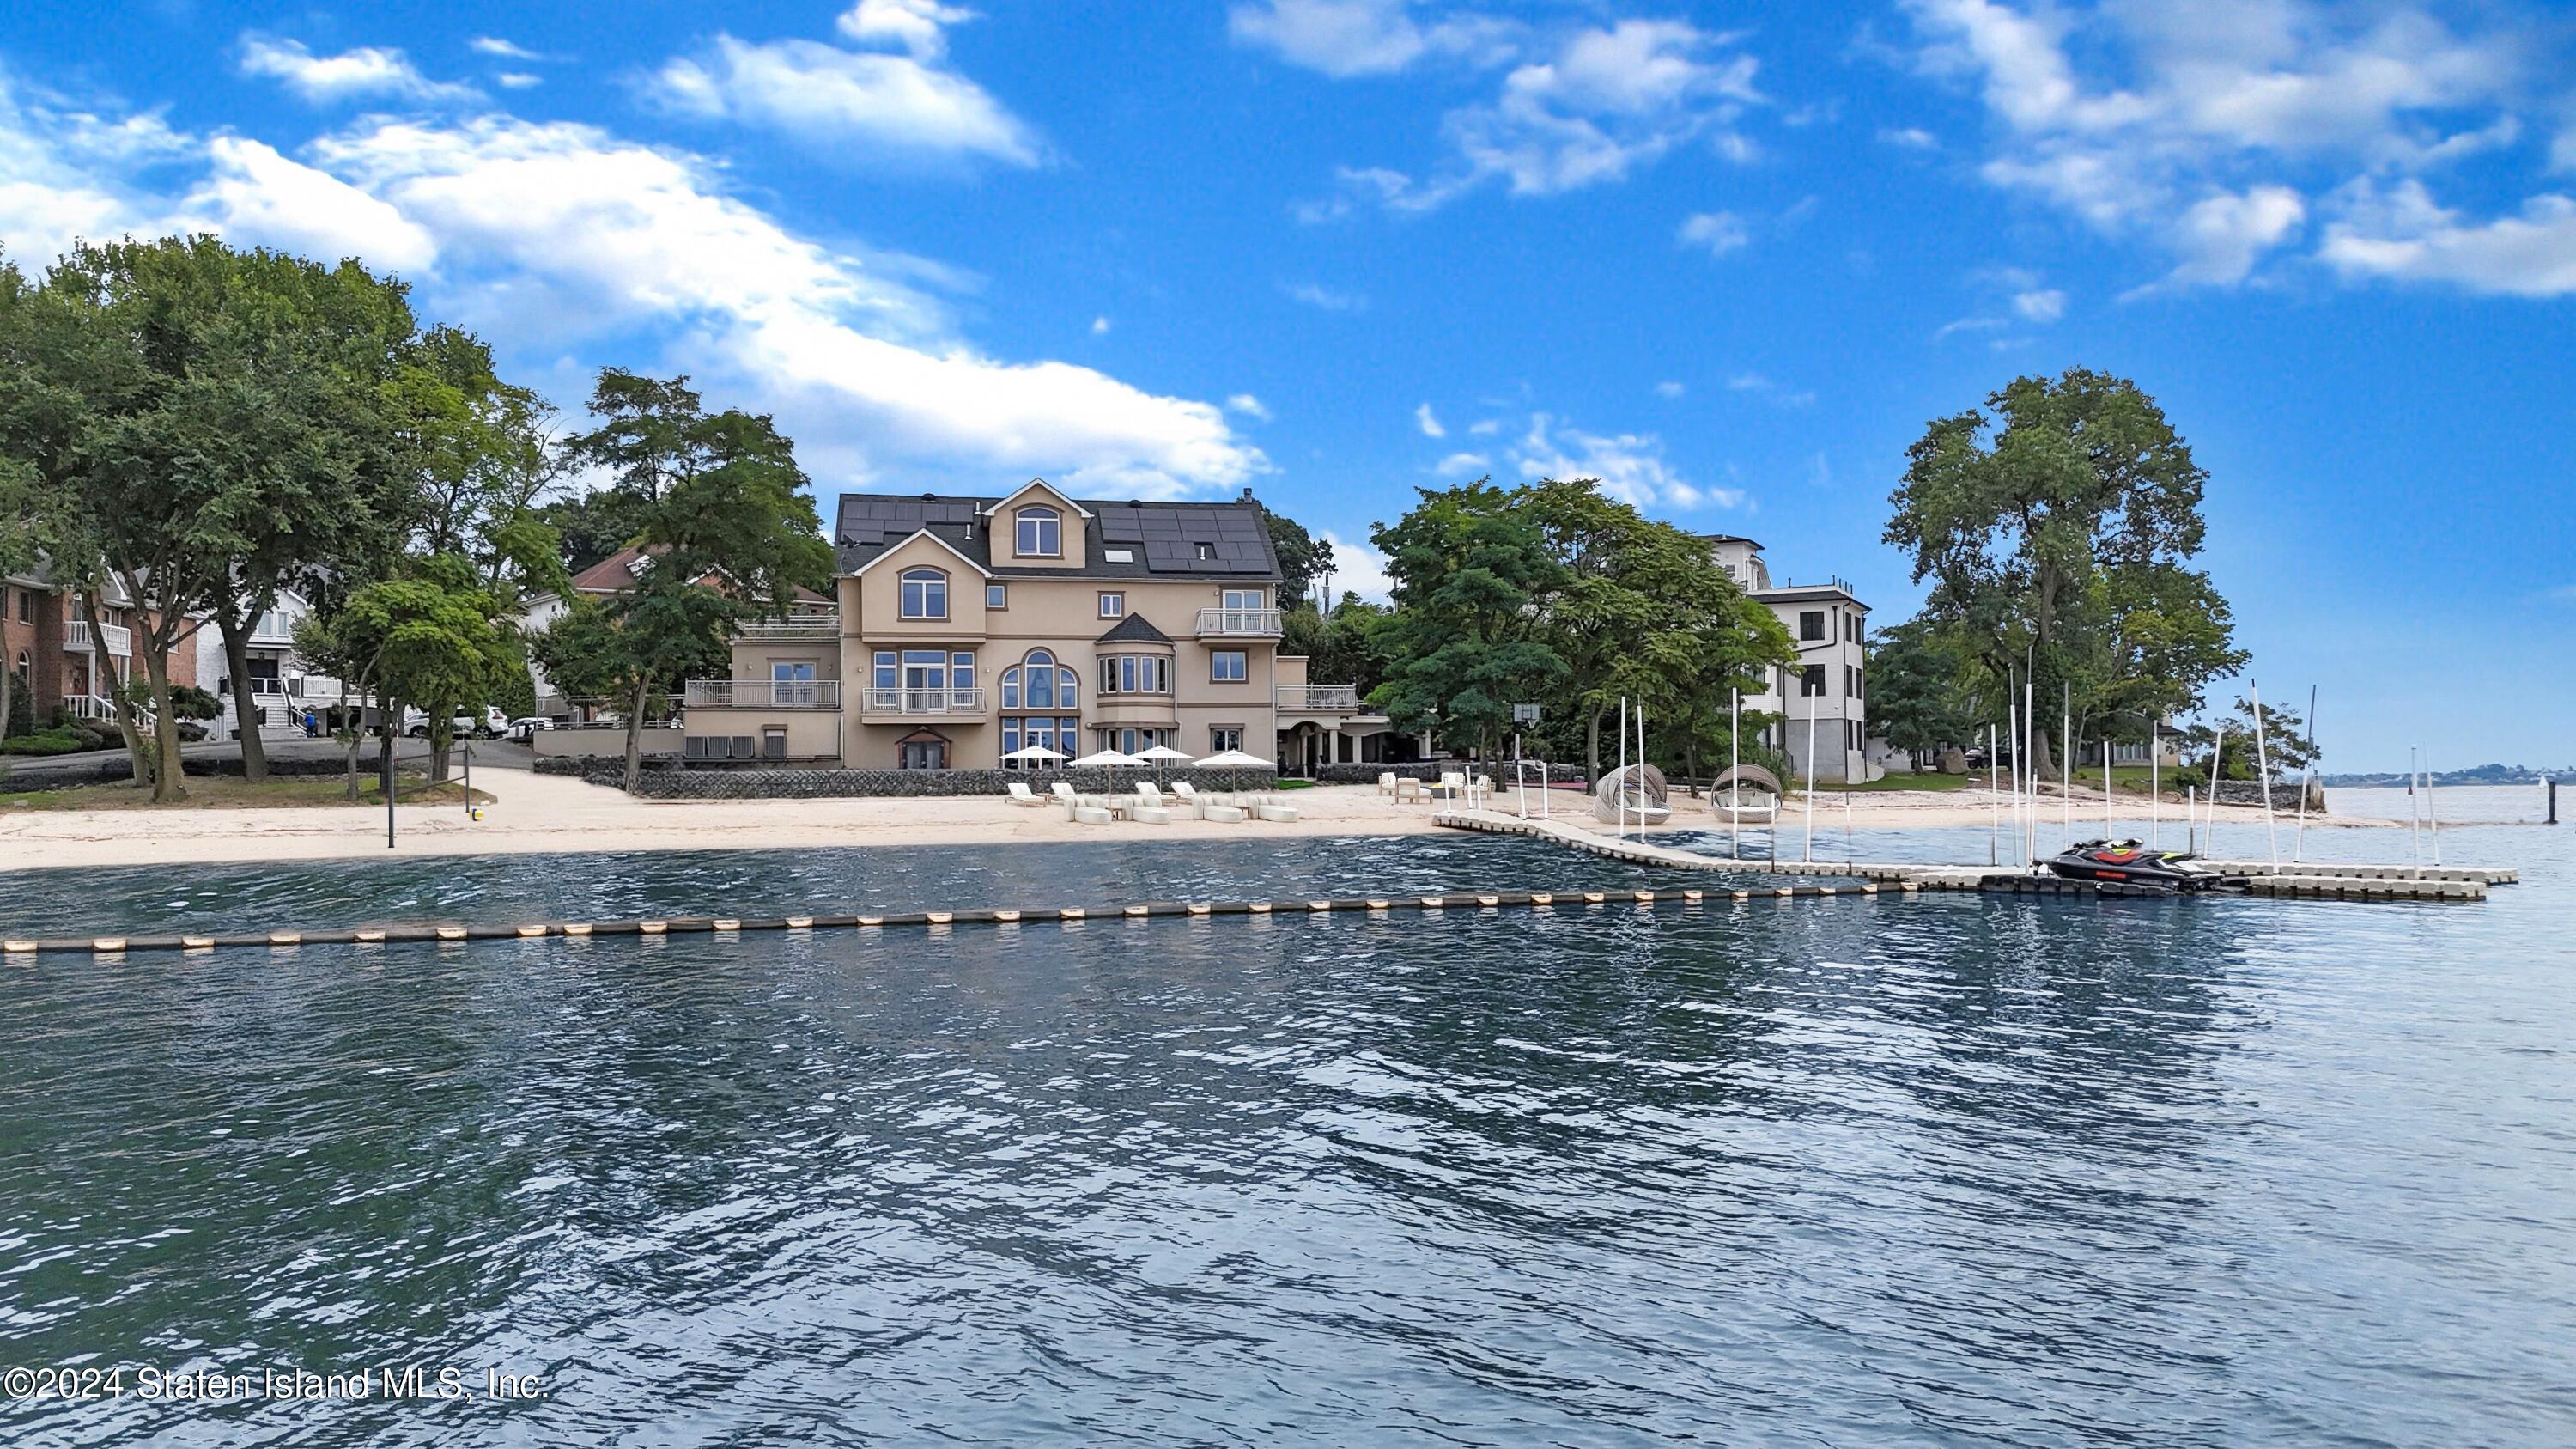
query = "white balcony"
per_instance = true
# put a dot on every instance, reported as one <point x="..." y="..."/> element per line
<point x="762" y="694"/>
<point x="1319" y="698"/>
<point x="120" y="640"/>
<point x="921" y="701"/>
<point x="805" y="624"/>
<point x="1239" y="623"/>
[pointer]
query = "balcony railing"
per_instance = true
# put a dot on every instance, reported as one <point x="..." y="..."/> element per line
<point x="120" y="640"/>
<point x="922" y="701"/>
<point x="763" y="694"/>
<point x="1239" y="623"/>
<point x="1319" y="698"/>
<point x="816" y="624"/>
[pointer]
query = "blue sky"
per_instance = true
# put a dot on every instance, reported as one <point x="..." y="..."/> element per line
<point x="1728" y="259"/>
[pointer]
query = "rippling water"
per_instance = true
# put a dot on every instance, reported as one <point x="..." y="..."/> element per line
<point x="1956" y="1170"/>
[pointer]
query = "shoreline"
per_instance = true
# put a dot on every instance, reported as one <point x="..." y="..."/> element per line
<point x="532" y="814"/>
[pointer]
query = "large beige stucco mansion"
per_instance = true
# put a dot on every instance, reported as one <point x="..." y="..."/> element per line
<point x="1824" y="697"/>
<point x="969" y="628"/>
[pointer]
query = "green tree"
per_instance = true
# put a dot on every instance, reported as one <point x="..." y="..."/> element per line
<point x="436" y="637"/>
<point x="1920" y="695"/>
<point x="592" y="526"/>
<point x="2058" y="544"/>
<point x="1340" y="648"/>
<point x="1644" y="612"/>
<point x="1303" y="558"/>
<point x="2286" y="742"/>
<point x="1465" y="641"/>
<point x="725" y="519"/>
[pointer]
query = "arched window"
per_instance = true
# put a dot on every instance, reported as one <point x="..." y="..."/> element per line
<point x="1040" y="533"/>
<point x="925" y="594"/>
<point x="1040" y="692"/>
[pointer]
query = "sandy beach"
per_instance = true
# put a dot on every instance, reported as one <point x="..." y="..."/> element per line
<point x="548" y="814"/>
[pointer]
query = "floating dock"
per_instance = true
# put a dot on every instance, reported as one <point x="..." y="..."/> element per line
<point x="2286" y="881"/>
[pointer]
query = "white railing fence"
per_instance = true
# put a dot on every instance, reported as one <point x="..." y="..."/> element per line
<point x="922" y="701"/>
<point x="763" y="694"/>
<point x="1249" y="623"/>
<point x="1318" y="697"/>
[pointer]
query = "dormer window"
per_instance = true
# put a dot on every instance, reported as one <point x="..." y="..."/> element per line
<point x="925" y="594"/>
<point x="1039" y="533"/>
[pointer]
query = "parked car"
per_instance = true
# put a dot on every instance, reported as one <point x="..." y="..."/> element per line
<point x="488" y="723"/>
<point x="526" y="726"/>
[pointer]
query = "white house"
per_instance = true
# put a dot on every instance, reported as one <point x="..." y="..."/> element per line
<point x="1824" y="695"/>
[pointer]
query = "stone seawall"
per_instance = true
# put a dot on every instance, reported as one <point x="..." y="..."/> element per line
<point x="660" y="781"/>
<point x="2284" y="796"/>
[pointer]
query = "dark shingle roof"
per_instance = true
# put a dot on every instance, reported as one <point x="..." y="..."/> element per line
<point x="1162" y="539"/>
<point x="1135" y="629"/>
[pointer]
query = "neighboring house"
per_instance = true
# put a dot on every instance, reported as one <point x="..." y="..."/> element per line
<point x="57" y="659"/>
<point x="1829" y="684"/>
<point x="970" y="628"/>
<point x="602" y="581"/>
<point x="282" y="686"/>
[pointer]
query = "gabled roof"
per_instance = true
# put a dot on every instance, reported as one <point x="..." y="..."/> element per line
<point x="1007" y="499"/>
<point x="890" y="550"/>
<point x="1135" y="629"/>
<point x="1162" y="540"/>
<point x="617" y="573"/>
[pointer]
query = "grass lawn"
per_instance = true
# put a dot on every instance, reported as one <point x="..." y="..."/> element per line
<point x="1896" y="781"/>
<point x="226" y="792"/>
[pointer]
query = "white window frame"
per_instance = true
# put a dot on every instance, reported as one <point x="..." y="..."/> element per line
<point x="1113" y="604"/>
<point x="922" y="577"/>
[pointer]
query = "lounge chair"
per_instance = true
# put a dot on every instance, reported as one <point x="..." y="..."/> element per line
<point x="1022" y="796"/>
<point x="1386" y="782"/>
<point x="1062" y="791"/>
<point x="1408" y="788"/>
<point x="1187" y="793"/>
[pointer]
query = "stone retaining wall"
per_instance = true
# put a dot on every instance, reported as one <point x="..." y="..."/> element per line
<point x="2284" y="796"/>
<point x="666" y="783"/>
<point x="1430" y="771"/>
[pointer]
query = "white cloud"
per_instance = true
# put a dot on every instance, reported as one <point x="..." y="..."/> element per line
<point x="1716" y="232"/>
<point x="2041" y="305"/>
<point x="918" y="26"/>
<point x="1248" y="405"/>
<point x="1669" y="388"/>
<point x="260" y="196"/>
<point x="1762" y="387"/>
<point x="1358" y="569"/>
<point x="907" y="100"/>
<point x="1430" y="425"/>
<point x="1629" y="466"/>
<point x="61" y="170"/>
<point x="367" y="70"/>
<point x="1461" y="465"/>
<point x="1584" y="106"/>
<point x="1485" y="427"/>
<point x="2222" y="111"/>
<point x="2562" y="151"/>
<point x="1099" y="326"/>
<point x="1316" y="295"/>
<point x="517" y="80"/>
<point x="1969" y="324"/>
<point x="1365" y="37"/>
<point x="2221" y="237"/>
<point x="1912" y="138"/>
<point x="561" y="230"/>
<point x="494" y="45"/>
<point x="2401" y="233"/>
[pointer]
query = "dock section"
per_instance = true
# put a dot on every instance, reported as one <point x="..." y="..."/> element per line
<point x="2286" y="881"/>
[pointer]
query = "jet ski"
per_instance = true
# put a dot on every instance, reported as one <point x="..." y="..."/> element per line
<point x="2129" y="862"/>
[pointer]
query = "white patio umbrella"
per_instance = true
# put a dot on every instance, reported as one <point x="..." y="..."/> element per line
<point x="1237" y="760"/>
<point x="1035" y="755"/>
<point x="1106" y="757"/>
<point x="1159" y="754"/>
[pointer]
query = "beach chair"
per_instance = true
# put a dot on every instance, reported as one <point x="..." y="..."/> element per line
<point x="1452" y="784"/>
<point x="1408" y="790"/>
<point x="1386" y="782"/>
<point x="1022" y="796"/>
<point x="1187" y="793"/>
<point x="1479" y="787"/>
<point x="1063" y="792"/>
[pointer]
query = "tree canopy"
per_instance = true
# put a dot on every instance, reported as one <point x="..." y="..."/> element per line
<point x="2057" y="533"/>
